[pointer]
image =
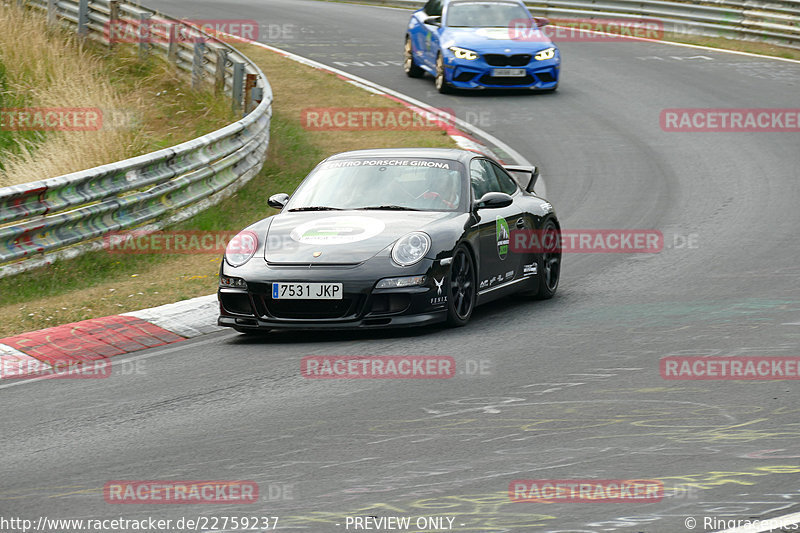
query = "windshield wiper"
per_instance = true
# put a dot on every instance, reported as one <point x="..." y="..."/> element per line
<point x="389" y="208"/>
<point x="315" y="208"/>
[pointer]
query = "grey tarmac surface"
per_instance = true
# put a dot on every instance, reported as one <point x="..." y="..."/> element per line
<point x="572" y="388"/>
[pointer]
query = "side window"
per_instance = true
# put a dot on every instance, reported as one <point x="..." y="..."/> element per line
<point x="433" y="8"/>
<point x="482" y="178"/>
<point x="506" y="182"/>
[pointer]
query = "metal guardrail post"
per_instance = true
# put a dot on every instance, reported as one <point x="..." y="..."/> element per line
<point x="249" y="84"/>
<point x="197" y="64"/>
<point x="113" y="21"/>
<point x="256" y="95"/>
<point x="172" y="50"/>
<point x="83" y="17"/>
<point x="238" y="86"/>
<point x="52" y="12"/>
<point x="219" y="76"/>
<point x="145" y="35"/>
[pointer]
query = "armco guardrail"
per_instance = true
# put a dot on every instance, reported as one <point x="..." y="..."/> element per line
<point x="48" y="218"/>
<point x="775" y="22"/>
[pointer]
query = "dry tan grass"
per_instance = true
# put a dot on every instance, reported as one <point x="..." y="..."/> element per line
<point x="51" y="68"/>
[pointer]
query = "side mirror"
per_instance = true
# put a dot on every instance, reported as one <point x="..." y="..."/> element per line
<point x="525" y="176"/>
<point x="433" y="21"/>
<point x="493" y="200"/>
<point x="541" y="21"/>
<point x="278" y="200"/>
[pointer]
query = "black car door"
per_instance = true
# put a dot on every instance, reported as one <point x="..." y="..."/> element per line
<point x="497" y="264"/>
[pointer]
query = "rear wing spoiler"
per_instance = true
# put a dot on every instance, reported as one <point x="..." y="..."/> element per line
<point x="525" y="176"/>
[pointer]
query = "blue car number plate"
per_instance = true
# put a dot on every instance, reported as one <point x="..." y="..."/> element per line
<point x="306" y="291"/>
<point x="508" y="72"/>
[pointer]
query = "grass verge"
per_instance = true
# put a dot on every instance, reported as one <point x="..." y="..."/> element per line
<point x="752" y="47"/>
<point x="100" y="283"/>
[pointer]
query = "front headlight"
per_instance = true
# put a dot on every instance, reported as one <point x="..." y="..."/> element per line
<point x="399" y="283"/>
<point x="463" y="53"/>
<point x="411" y="248"/>
<point x="241" y="248"/>
<point x="548" y="53"/>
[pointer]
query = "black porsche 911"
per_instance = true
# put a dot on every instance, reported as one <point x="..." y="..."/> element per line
<point x="389" y="238"/>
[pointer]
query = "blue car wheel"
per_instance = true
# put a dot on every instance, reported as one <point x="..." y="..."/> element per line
<point x="409" y="65"/>
<point x="441" y="80"/>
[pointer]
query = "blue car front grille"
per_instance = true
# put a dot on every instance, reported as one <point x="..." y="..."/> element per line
<point x="500" y="60"/>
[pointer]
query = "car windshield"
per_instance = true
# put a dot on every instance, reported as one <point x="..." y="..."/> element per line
<point x="385" y="184"/>
<point x="484" y="14"/>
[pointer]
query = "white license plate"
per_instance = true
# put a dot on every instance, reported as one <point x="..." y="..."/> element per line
<point x="306" y="291"/>
<point x="508" y="72"/>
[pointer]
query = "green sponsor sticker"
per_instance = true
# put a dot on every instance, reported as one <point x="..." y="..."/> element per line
<point x="503" y="236"/>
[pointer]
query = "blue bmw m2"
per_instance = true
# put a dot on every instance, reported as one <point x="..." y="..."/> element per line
<point x="481" y="44"/>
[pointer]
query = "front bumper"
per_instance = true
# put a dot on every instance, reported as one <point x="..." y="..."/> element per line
<point x="478" y="74"/>
<point x="362" y="305"/>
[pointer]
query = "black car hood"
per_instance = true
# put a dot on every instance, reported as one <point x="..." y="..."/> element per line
<point x="340" y="237"/>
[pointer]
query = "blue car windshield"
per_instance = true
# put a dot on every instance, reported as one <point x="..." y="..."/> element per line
<point x="382" y="183"/>
<point x="484" y="14"/>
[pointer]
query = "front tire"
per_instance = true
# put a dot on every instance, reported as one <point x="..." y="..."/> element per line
<point x="409" y="65"/>
<point x="441" y="80"/>
<point x="462" y="285"/>
<point x="549" y="261"/>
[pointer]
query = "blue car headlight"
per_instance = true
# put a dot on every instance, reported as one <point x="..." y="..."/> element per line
<point x="547" y="53"/>
<point x="411" y="248"/>
<point x="463" y="53"/>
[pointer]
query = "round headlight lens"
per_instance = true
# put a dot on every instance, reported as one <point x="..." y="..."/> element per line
<point x="241" y="248"/>
<point x="411" y="248"/>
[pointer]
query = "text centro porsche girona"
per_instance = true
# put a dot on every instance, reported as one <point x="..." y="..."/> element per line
<point x="390" y="238"/>
<point x="480" y="44"/>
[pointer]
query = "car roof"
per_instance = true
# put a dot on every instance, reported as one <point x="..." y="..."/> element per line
<point x="434" y="153"/>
